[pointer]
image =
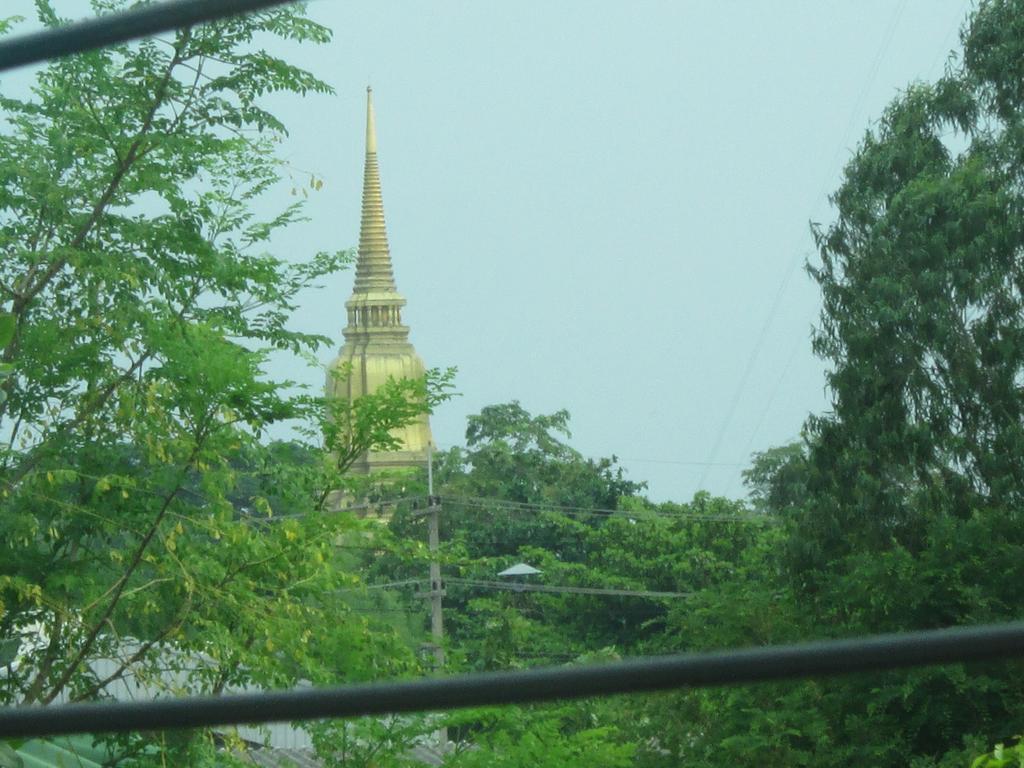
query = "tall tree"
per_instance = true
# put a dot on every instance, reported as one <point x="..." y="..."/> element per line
<point x="922" y="280"/>
<point x="145" y="305"/>
<point x="902" y="510"/>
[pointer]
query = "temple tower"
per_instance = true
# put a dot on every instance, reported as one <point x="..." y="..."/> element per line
<point x="376" y="343"/>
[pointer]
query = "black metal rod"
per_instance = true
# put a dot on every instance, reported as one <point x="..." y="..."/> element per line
<point x="755" y="665"/>
<point x="120" y="27"/>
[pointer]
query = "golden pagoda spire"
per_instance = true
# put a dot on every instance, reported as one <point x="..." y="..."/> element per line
<point x="377" y="346"/>
<point x="374" y="273"/>
<point x="371" y="123"/>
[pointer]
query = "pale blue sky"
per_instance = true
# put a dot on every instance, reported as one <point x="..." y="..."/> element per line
<point x="604" y="206"/>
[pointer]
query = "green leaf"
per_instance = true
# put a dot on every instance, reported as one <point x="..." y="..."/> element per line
<point x="9" y="651"/>
<point x="7" y="327"/>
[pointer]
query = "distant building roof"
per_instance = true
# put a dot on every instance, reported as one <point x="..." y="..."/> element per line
<point x="76" y="751"/>
<point x="305" y="758"/>
<point x="520" y="569"/>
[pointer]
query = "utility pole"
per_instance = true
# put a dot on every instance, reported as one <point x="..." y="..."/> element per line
<point x="436" y="591"/>
<point x="436" y="587"/>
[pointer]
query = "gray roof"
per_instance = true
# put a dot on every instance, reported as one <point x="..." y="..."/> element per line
<point x="269" y="757"/>
<point x="520" y="569"/>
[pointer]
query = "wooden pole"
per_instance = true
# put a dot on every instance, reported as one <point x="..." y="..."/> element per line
<point x="436" y="587"/>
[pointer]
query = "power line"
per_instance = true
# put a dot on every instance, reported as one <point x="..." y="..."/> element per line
<point x="682" y="463"/>
<point x="945" y="50"/>
<point x="525" y="506"/>
<point x="574" y="511"/>
<point x="513" y="587"/>
<point x="120" y="27"/>
<point x="353" y="508"/>
<point x="521" y="587"/>
<point x="699" y="670"/>
<point x="790" y="270"/>
<point x="886" y="42"/>
<point x="616" y="459"/>
<point x="243" y="516"/>
<point x="748" y="369"/>
<point x="872" y="74"/>
<point x="380" y="585"/>
<point x="774" y="393"/>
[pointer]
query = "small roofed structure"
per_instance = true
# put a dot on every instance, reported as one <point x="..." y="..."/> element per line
<point x="520" y="569"/>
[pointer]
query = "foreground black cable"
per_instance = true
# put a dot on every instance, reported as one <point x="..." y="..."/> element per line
<point x="120" y="27"/>
<point x="650" y="674"/>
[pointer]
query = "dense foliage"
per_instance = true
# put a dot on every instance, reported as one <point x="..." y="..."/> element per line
<point x="899" y="510"/>
<point x="146" y="525"/>
<point x="140" y="532"/>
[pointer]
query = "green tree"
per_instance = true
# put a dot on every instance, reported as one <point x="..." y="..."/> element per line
<point x="141" y="529"/>
<point x="777" y="478"/>
<point x="921" y="324"/>
<point x="380" y="742"/>
<point x="518" y="737"/>
<point x="513" y="457"/>
<point x="902" y="510"/>
<point x="1000" y="757"/>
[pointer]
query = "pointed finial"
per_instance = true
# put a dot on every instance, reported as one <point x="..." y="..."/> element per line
<point x="371" y="123"/>
<point x="373" y="267"/>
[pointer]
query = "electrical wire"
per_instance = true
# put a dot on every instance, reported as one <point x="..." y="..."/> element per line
<point x="573" y="511"/>
<point x="120" y="27"/>
<point x="745" y="376"/>
<point x="381" y="585"/>
<point x="682" y="463"/>
<point x="525" y="587"/>
<point x="785" y="662"/>
<point x="774" y="393"/>
<point x="795" y="261"/>
<point x="560" y="590"/>
<point x="353" y="508"/>
<point x="243" y="516"/>
<point x="944" y="49"/>
<point x="698" y="670"/>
